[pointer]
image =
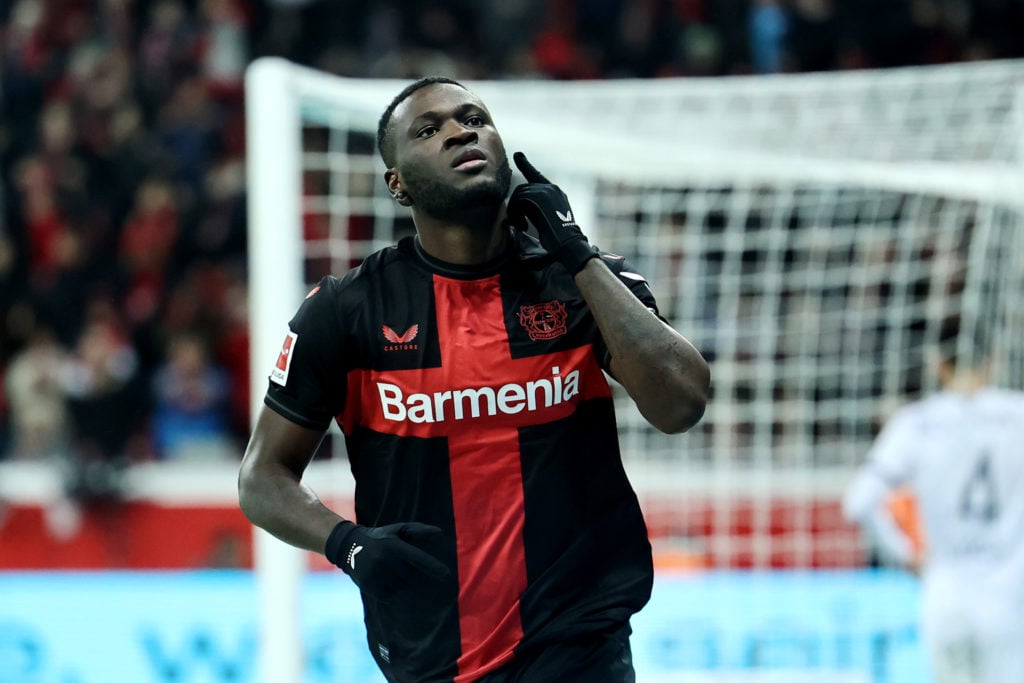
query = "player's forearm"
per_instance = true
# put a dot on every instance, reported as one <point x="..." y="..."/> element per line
<point x="893" y="542"/>
<point x="664" y="374"/>
<point x="864" y="505"/>
<point x="273" y="499"/>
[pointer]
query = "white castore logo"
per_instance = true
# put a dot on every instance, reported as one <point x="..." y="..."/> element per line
<point x="472" y="402"/>
<point x="352" y="555"/>
<point x="566" y="217"/>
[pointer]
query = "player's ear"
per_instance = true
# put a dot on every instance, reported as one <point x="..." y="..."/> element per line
<point x="394" y="184"/>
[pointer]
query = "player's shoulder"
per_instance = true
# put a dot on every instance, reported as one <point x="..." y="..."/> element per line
<point x="362" y="278"/>
<point x="329" y="291"/>
<point x="948" y="407"/>
<point x="1008" y="402"/>
<point x="335" y="295"/>
<point x="1009" y="397"/>
<point x="918" y="414"/>
<point x="933" y="406"/>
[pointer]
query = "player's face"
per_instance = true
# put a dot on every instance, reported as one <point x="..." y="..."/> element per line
<point x="448" y="154"/>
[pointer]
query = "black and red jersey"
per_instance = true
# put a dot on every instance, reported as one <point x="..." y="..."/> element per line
<point x="473" y="399"/>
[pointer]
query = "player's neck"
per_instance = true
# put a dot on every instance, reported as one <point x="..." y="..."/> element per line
<point x="967" y="383"/>
<point x="461" y="244"/>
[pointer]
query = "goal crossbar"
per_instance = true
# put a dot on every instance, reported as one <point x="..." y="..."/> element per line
<point x="808" y="231"/>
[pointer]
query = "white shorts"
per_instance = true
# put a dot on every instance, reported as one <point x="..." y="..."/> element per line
<point x="974" y="633"/>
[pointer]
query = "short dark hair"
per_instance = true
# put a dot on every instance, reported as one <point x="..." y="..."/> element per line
<point x="387" y="152"/>
<point x="961" y="345"/>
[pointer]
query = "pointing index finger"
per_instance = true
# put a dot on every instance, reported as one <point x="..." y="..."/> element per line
<point x="531" y="174"/>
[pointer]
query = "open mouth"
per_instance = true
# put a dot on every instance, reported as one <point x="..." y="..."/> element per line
<point x="469" y="160"/>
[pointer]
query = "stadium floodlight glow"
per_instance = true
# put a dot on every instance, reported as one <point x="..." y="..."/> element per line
<point x="809" y="233"/>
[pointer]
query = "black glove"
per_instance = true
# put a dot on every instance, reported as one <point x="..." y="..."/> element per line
<point x="547" y="207"/>
<point x="384" y="560"/>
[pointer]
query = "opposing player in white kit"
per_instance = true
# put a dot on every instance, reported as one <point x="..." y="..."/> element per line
<point x="961" y="452"/>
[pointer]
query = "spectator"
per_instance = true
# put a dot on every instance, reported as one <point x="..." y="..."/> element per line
<point x="122" y="140"/>
<point x="224" y="46"/>
<point x="191" y="404"/>
<point x="768" y="25"/>
<point x="147" y="243"/>
<point x="34" y="386"/>
<point x="106" y="407"/>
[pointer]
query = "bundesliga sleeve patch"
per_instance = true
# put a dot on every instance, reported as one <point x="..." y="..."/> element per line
<point x="279" y="374"/>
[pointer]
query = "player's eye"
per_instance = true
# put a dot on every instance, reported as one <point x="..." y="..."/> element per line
<point x="426" y="131"/>
<point x="475" y="121"/>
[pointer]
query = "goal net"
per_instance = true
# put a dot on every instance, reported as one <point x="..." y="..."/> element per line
<point x="808" y="233"/>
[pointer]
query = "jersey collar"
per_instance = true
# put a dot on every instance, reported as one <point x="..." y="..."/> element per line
<point x="521" y="247"/>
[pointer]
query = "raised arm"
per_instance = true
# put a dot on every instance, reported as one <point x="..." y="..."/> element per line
<point x="664" y="374"/>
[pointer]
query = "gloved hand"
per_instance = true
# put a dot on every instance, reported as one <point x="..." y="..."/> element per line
<point x="547" y="207"/>
<point x="383" y="560"/>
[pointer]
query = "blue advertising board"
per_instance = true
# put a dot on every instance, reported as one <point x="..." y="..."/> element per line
<point x="201" y="627"/>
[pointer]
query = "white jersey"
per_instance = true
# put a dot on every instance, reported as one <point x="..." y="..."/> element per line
<point x="963" y="457"/>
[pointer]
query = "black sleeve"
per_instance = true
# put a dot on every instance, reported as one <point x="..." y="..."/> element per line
<point x="637" y="284"/>
<point x="307" y="382"/>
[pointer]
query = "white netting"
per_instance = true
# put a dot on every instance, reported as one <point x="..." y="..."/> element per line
<point x="808" y="233"/>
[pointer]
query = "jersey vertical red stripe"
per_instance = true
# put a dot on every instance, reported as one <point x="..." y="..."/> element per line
<point x="486" y="476"/>
<point x="476" y="403"/>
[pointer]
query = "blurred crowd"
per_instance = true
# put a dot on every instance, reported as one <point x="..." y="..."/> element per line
<point x="123" y="321"/>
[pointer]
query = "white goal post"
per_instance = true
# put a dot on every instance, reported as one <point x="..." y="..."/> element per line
<point x="809" y="233"/>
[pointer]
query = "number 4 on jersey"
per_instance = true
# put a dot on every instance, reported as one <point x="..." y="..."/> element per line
<point x="979" y="500"/>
